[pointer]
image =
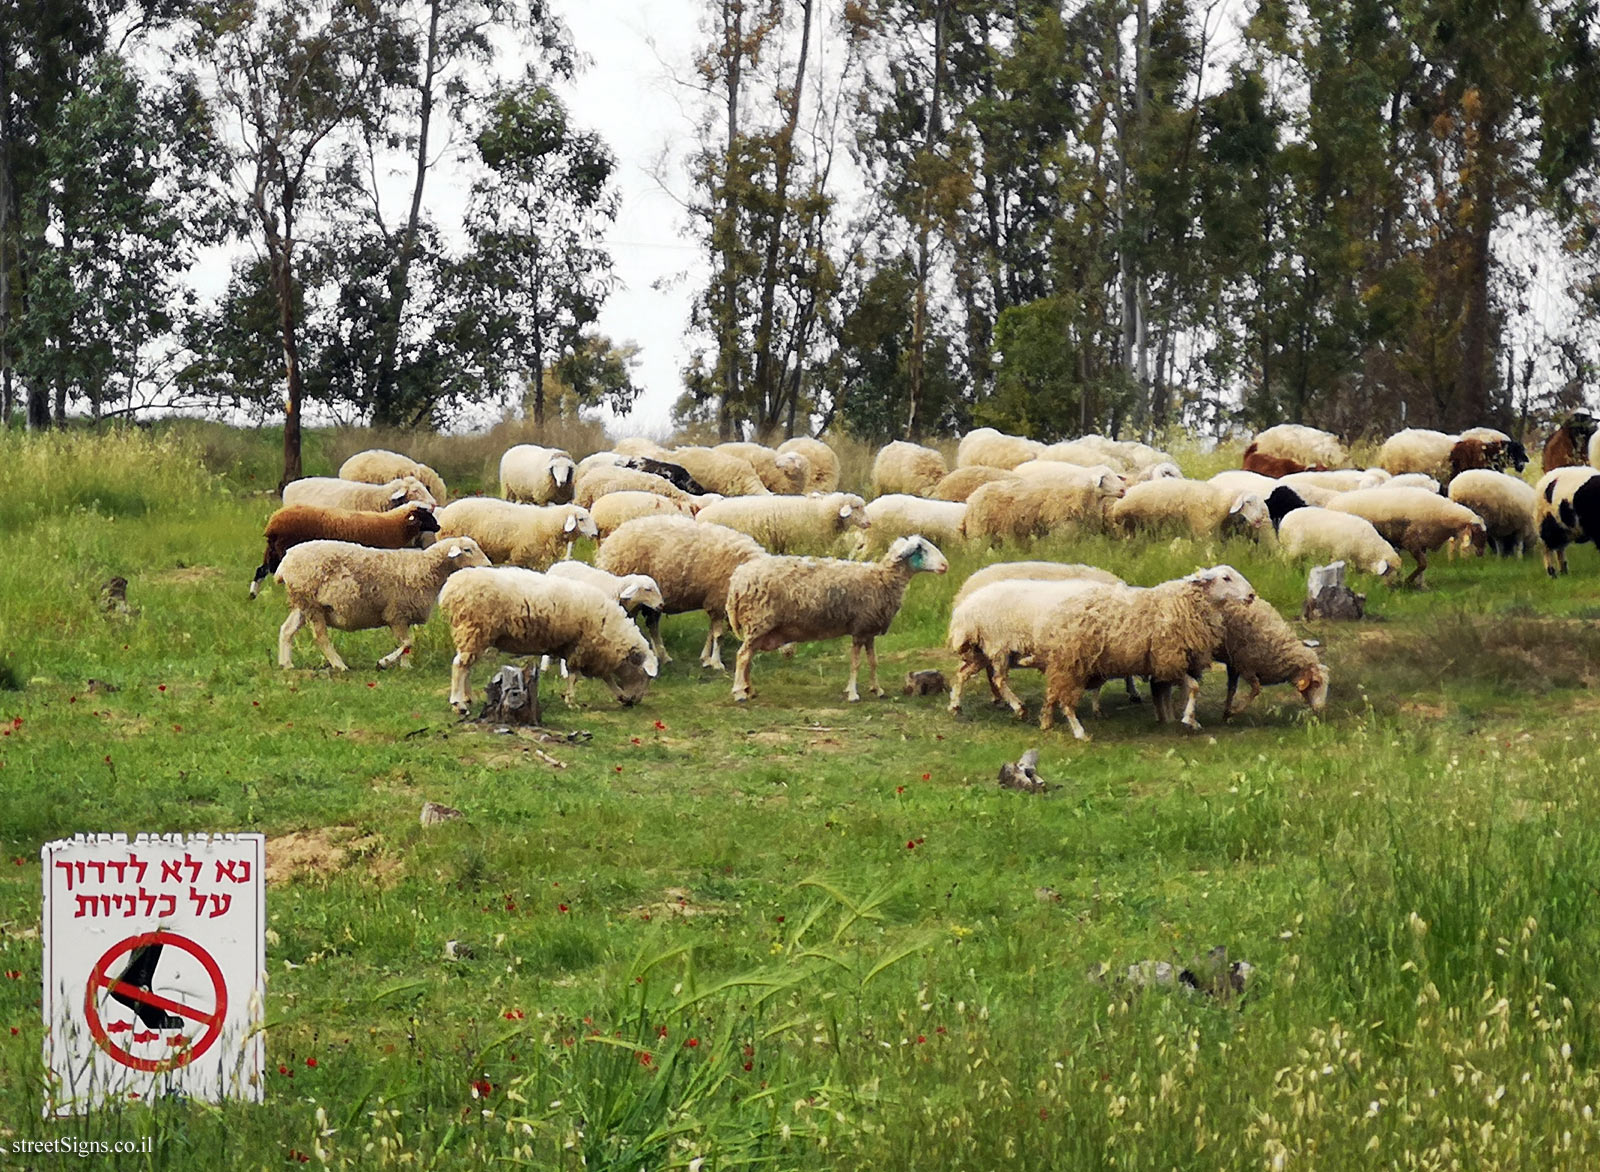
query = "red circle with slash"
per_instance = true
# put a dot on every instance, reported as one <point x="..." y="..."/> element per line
<point x="99" y="979"/>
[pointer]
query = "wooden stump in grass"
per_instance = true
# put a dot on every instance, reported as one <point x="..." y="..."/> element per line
<point x="1327" y="597"/>
<point x="512" y="697"/>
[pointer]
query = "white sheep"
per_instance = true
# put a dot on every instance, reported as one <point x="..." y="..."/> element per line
<point x="533" y="475"/>
<point x="1412" y="480"/>
<point x="774" y="601"/>
<point x="899" y="515"/>
<point x="1169" y="633"/>
<point x="1418" y="449"/>
<point x="332" y="493"/>
<point x="718" y="471"/>
<point x="1327" y="534"/>
<point x="1336" y="480"/>
<point x="1507" y="505"/>
<point x="783" y="472"/>
<point x="790" y="524"/>
<point x="521" y="535"/>
<point x="690" y="561"/>
<point x="1036" y="571"/>
<point x="521" y="612"/>
<point x="1259" y="647"/>
<point x="379" y="466"/>
<point x="634" y="593"/>
<point x="615" y="508"/>
<point x="906" y="468"/>
<point x="1237" y="481"/>
<point x="995" y="449"/>
<point x="1304" y="445"/>
<point x="603" y="479"/>
<point x="1196" y="506"/>
<point x="823" y="475"/>
<point x="1021" y="509"/>
<point x="354" y="588"/>
<point x="1413" y="520"/>
<point x="638" y="445"/>
<point x="963" y="482"/>
<point x="1061" y="472"/>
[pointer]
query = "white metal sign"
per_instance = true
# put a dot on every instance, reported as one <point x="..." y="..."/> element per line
<point x="154" y="968"/>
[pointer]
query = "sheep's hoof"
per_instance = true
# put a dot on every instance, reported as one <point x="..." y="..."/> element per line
<point x="954" y="710"/>
<point x="879" y="693"/>
<point x="853" y="697"/>
<point x="461" y="707"/>
<point x="714" y="664"/>
<point x="1192" y="725"/>
<point x="741" y="697"/>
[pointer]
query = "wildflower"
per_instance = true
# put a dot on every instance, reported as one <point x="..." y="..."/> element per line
<point x="748" y="1065"/>
<point x="643" y="1056"/>
<point x="15" y="1031"/>
<point x="911" y="844"/>
<point x="921" y="1038"/>
<point x="635" y="740"/>
<point x="569" y="1041"/>
<point x="282" y="1069"/>
<point x="481" y="1088"/>
<point x="660" y="727"/>
<point x="177" y="728"/>
<point x="1043" y="1114"/>
<point x="372" y="683"/>
<point x="255" y="703"/>
<point x="312" y="1063"/>
<point x="13" y="974"/>
<point x="661" y="1031"/>
<point x="161" y="687"/>
<point x="619" y="769"/>
<point x="780" y="919"/>
<point x="72" y="699"/>
<point x="693" y="1043"/>
<point x="514" y="1015"/>
<point x="927" y="776"/>
<point x="899" y="789"/>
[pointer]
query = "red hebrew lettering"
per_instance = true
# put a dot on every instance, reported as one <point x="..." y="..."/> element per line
<point x="86" y="906"/>
<point x="199" y="902"/>
<point x="149" y="902"/>
<point x="98" y="863"/>
<point x="105" y="905"/>
<point x="238" y="870"/>
<point x="136" y="861"/>
<point x="195" y="867"/>
<point x="122" y="869"/>
<point x="67" y="867"/>
<point x="171" y="903"/>
<point x="220" y="905"/>
<point x="171" y="870"/>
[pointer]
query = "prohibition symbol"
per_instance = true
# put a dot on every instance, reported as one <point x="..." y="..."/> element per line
<point x="129" y="984"/>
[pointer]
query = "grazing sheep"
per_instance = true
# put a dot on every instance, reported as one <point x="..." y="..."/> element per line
<point x="1128" y="457"/>
<point x="600" y="481"/>
<point x="1282" y="501"/>
<point x="332" y="493"/>
<point x="632" y="592"/>
<point x="1060" y="472"/>
<point x="1035" y="571"/>
<point x="1169" y="633"/>
<point x="293" y="524"/>
<point x="1414" y="480"/>
<point x="1567" y="509"/>
<point x="1571" y="443"/>
<point x="1475" y="452"/>
<point x="1313" y="492"/>
<point x="611" y="510"/>
<point x="1327" y="534"/>
<point x="1413" y="520"/>
<point x="781" y="472"/>
<point x="353" y="588"/>
<point x="520" y="535"/>
<point x="996" y="627"/>
<point x="1305" y="445"/>
<point x="1239" y="480"/>
<point x="379" y="466"/>
<point x="995" y="449"/>
<point x="638" y="445"/>
<point x="1256" y="460"/>
<point x="674" y="474"/>
<point x="691" y="563"/>
<point x="719" y="472"/>
<point x="1418" y="449"/>
<point x="537" y="476"/>
<point x="773" y="601"/>
<point x="1194" y="506"/>
<point x="911" y="469"/>
<point x="791" y="524"/>
<point x="1160" y="470"/>
<point x="1337" y="480"/>
<point x="1259" y="647"/>
<point x="823" y="475"/>
<point x="898" y="515"/>
<point x="1507" y="505"/>
<point x="1486" y="435"/>
<point x="963" y="482"/>
<point x="1021" y="510"/>
<point x="521" y="612"/>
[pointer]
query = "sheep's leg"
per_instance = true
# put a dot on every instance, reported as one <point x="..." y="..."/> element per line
<point x="741" y="670"/>
<point x="402" y="652"/>
<point x="319" y="632"/>
<point x="850" y="692"/>
<point x="1233" y="686"/>
<point x="286" y="634"/>
<point x="711" y="653"/>
<point x="972" y="662"/>
<point x="872" y="667"/>
<point x="652" y="626"/>
<point x="1192" y="686"/>
<point x="1133" y="692"/>
<point x="569" y="694"/>
<point x="788" y="650"/>
<point x="1416" y="574"/>
<point x="1061" y="692"/>
<point x="1000" y="681"/>
<point x="460" y="681"/>
<point x="1161" y="700"/>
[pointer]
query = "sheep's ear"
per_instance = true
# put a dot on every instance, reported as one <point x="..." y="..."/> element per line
<point x="456" y="551"/>
<point x="844" y="512"/>
<point x="1238" y="504"/>
<point x="1312" y="642"/>
<point x="629" y="591"/>
<point x="398" y="497"/>
<point x="572" y="523"/>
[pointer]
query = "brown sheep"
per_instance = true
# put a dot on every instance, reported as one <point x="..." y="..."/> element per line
<point x="293" y="524"/>
<point x="1569" y="446"/>
<point x="1496" y="455"/>
<point x="1275" y="466"/>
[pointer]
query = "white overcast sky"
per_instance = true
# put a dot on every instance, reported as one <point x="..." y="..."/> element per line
<point x="628" y="96"/>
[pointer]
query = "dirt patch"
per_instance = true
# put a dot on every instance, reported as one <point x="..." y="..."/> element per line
<point x="678" y="903"/>
<point x="317" y="854"/>
<point x="1431" y="711"/>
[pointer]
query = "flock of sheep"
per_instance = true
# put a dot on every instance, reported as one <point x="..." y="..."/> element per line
<point x="723" y="530"/>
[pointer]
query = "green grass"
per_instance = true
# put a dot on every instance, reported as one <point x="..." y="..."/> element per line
<point x="837" y="897"/>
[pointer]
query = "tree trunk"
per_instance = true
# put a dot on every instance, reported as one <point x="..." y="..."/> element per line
<point x="768" y="373"/>
<point x="281" y="250"/>
<point x="8" y="221"/>
<point x="725" y="234"/>
<point x="386" y="404"/>
<point x="1471" y="407"/>
<point x="919" y="316"/>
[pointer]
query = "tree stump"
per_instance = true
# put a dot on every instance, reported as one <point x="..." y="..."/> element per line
<point x="1327" y="597"/>
<point x="512" y="697"/>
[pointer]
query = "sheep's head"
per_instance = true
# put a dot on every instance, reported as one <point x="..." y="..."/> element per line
<point x="1387" y="570"/>
<point x="420" y="519"/>
<point x="1250" y="509"/>
<point x="1223" y="584"/>
<point x="1313" y="687"/>
<point x="580" y="523"/>
<point x="1162" y="470"/>
<point x="561" y="470"/>
<point x="850" y="511"/>
<point x="462" y="552"/>
<point x="1473" y="537"/>
<point x="1580" y="425"/>
<point x="409" y="488"/>
<point x="640" y="592"/>
<point x="632" y="678"/>
<point x="917" y="552"/>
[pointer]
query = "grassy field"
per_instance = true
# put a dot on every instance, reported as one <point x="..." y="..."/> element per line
<point x="805" y="934"/>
